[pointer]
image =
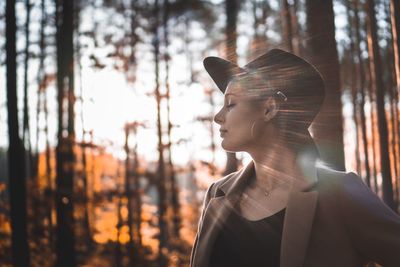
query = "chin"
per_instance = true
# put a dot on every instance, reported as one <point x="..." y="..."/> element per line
<point x="230" y="147"/>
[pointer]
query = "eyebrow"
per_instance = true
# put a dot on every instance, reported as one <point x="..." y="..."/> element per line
<point x="228" y="94"/>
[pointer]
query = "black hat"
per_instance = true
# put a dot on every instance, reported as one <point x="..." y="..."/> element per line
<point x="284" y="73"/>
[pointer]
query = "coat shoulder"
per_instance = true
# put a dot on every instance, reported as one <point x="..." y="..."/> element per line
<point x="331" y="179"/>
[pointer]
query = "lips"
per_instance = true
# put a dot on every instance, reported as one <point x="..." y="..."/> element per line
<point x="222" y="132"/>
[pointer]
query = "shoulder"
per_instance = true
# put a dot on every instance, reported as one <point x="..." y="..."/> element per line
<point x="347" y="189"/>
<point x="331" y="180"/>
<point x="347" y="184"/>
<point x="352" y="195"/>
<point x="340" y="181"/>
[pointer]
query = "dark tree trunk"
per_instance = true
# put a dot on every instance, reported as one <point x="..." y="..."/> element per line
<point x="297" y="33"/>
<point x="162" y="205"/>
<point x="231" y="10"/>
<point x="395" y="18"/>
<point x="26" y="129"/>
<point x="327" y="127"/>
<point x="378" y="86"/>
<point x="128" y="195"/>
<point x="65" y="160"/>
<point x="361" y="83"/>
<point x="353" y="86"/>
<point x="46" y="199"/>
<point x="174" y="191"/>
<point x="137" y="203"/>
<point x="138" y="197"/>
<point x="84" y="145"/>
<point x="16" y="151"/>
<point x="259" y="43"/>
<point x="390" y="83"/>
<point x="395" y="21"/>
<point x="287" y="25"/>
<point x="118" y="252"/>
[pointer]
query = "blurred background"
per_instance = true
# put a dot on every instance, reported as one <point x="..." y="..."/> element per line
<point x="106" y="136"/>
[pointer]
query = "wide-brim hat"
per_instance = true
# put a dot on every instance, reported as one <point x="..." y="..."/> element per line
<point x="299" y="81"/>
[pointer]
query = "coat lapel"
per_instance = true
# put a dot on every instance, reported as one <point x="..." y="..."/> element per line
<point x="297" y="227"/>
<point x="216" y="213"/>
<point x="297" y="224"/>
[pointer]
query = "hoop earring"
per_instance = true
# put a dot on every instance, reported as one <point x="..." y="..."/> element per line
<point x="252" y="128"/>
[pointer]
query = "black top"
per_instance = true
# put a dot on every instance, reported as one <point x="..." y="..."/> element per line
<point x="242" y="242"/>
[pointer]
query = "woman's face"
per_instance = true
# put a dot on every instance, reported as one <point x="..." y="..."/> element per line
<point x="236" y="118"/>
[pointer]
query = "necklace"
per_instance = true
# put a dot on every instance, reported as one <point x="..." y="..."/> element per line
<point x="266" y="193"/>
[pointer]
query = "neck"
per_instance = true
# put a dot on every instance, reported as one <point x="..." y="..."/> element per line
<point x="276" y="166"/>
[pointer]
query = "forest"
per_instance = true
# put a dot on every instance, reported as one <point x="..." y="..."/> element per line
<point x="107" y="139"/>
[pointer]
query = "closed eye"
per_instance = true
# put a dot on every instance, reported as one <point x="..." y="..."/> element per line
<point x="230" y="106"/>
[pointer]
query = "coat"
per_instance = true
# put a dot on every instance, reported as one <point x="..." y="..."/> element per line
<point x="331" y="220"/>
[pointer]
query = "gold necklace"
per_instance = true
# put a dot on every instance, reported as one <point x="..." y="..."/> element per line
<point x="266" y="193"/>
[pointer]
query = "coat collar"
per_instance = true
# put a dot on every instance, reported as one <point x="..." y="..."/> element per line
<point x="236" y="183"/>
<point x="297" y="224"/>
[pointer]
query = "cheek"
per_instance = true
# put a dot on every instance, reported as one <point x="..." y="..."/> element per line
<point x="240" y="121"/>
<point x="242" y="116"/>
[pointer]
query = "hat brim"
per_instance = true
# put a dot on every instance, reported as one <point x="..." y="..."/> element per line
<point x="221" y="71"/>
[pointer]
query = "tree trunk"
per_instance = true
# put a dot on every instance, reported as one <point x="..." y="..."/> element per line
<point x="297" y="33"/>
<point x="361" y="84"/>
<point x="138" y="202"/>
<point x="378" y="86"/>
<point x="287" y="25"/>
<point x="259" y="43"/>
<point x="395" y="21"/>
<point x="162" y="205"/>
<point x="26" y="129"/>
<point x="16" y="151"/>
<point x="327" y="127"/>
<point x="128" y="195"/>
<point x="231" y="9"/>
<point x="64" y="152"/>
<point x="176" y="220"/>
<point x="391" y="85"/>
<point x="353" y="86"/>
<point x="395" y="18"/>
<point x="84" y="145"/>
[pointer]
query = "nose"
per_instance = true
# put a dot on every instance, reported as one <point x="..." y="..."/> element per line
<point x="218" y="118"/>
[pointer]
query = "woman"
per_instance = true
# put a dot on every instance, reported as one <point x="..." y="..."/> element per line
<point x="284" y="209"/>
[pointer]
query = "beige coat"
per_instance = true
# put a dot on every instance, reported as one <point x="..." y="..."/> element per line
<point x="333" y="220"/>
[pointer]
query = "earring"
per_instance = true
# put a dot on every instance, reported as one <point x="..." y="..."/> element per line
<point x="253" y="127"/>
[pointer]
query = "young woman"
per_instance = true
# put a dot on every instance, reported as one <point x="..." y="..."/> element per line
<point x="285" y="208"/>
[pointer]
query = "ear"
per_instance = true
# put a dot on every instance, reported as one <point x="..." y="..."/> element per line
<point x="271" y="108"/>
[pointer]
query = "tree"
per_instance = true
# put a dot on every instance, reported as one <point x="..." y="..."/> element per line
<point x="176" y="220"/>
<point x="231" y="10"/>
<point x="327" y="128"/>
<point x="351" y="69"/>
<point x="16" y="151"/>
<point x="395" y="18"/>
<point x="378" y="86"/>
<point x="287" y="22"/>
<point x="360" y="72"/>
<point x="26" y="128"/>
<point x="65" y="246"/>
<point x="162" y="207"/>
